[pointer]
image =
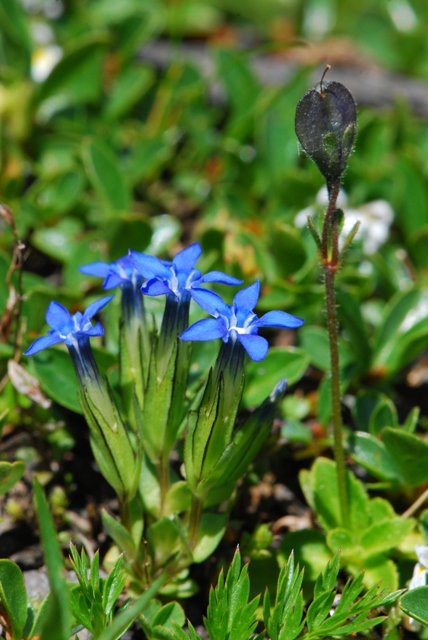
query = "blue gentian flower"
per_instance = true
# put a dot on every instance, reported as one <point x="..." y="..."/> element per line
<point x="178" y="278"/>
<point x="134" y="330"/>
<point x="238" y="322"/>
<point x="75" y="330"/>
<point x="115" y="274"/>
<point x="180" y="282"/>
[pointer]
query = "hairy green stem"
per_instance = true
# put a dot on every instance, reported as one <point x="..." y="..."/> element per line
<point x="330" y="265"/>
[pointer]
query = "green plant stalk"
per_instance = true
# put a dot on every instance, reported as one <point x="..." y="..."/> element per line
<point x="196" y="509"/>
<point x="330" y="264"/>
<point x="163" y="473"/>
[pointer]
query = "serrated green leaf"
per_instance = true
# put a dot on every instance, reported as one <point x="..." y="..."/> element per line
<point x="319" y="610"/>
<point x="125" y="618"/>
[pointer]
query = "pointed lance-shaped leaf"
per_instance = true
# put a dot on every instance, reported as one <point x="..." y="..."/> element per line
<point x="326" y="125"/>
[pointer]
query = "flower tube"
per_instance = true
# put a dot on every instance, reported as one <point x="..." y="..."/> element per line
<point x="109" y="438"/>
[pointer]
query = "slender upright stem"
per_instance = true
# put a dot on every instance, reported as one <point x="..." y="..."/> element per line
<point x="135" y="564"/>
<point x="164" y="481"/>
<point x="330" y="266"/>
<point x="194" y="520"/>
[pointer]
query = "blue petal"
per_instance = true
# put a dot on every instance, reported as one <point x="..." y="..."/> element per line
<point x="58" y="317"/>
<point x="210" y="302"/>
<point x="149" y="266"/>
<point x="206" y="329"/>
<point x="186" y="259"/>
<point x="99" y="269"/>
<point x="246" y="299"/>
<point x="96" y="330"/>
<point x="220" y="278"/>
<point x="278" y="319"/>
<point x="155" y="287"/>
<point x="96" y="306"/>
<point x="254" y="345"/>
<point x="112" y="281"/>
<point x="43" y="343"/>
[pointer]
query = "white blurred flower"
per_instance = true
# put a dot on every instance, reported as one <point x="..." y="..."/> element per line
<point x="375" y="219"/>
<point x="43" y="61"/>
<point x="420" y="572"/>
<point x="419" y="579"/>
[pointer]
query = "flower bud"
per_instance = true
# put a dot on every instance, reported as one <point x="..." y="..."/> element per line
<point x="326" y="125"/>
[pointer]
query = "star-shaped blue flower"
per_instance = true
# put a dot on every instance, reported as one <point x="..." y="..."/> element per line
<point x="68" y="328"/>
<point x="238" y="322"/>
<point x="115" y="274"/>
<point x="178" y="278"/>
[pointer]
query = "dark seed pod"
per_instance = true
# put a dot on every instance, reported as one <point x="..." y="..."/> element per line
<point x="326" y="125"/>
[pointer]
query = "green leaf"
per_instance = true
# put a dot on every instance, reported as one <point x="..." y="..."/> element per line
<point x="110" y="441"/>
<point x="58" y="241"/>
<point x="57" y="623"/>
<point x="314" y="341"/>
<point x="10" y="473"/>
<point x="382" y="536"/>
<point x="165" y="540"/>
<point x="241" y="86"/>
<point x="124" y="619"/>
<point x="108" y="181"/>
<point x="13" y="597"/>
<point x="169" y="613"/>
<point x="410" y="453"/>
<point x="349" y="312"/>
<point x="379" y="568"/>
<point x="281" y="362"/>
<point x="365" y="404"/>
<point x="230" y="614"/>
<point x="405" y="323"/>
<point x="415" y="604"/>
<point x="129" y="87"/>
<point x="342" y="540"/>
<point x="373" y="455"/>
<point x="319" y="609"/>
<point x="211" y="531"/>
<point x="77" y="78"/>
<point x="15" y="40"/>
<point x="119" y="534"/>
<point x="310" y="551"/>
<point x="326" y="498"/>
<point x="381" y="509"/>
<point x="287" y="248"/>
<point x="412" y="420"/>
<point x="55" y="371"/>
<point x="384" y="415"/>
<point x="113" y="586"/>
<point x="327" y="579"/>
